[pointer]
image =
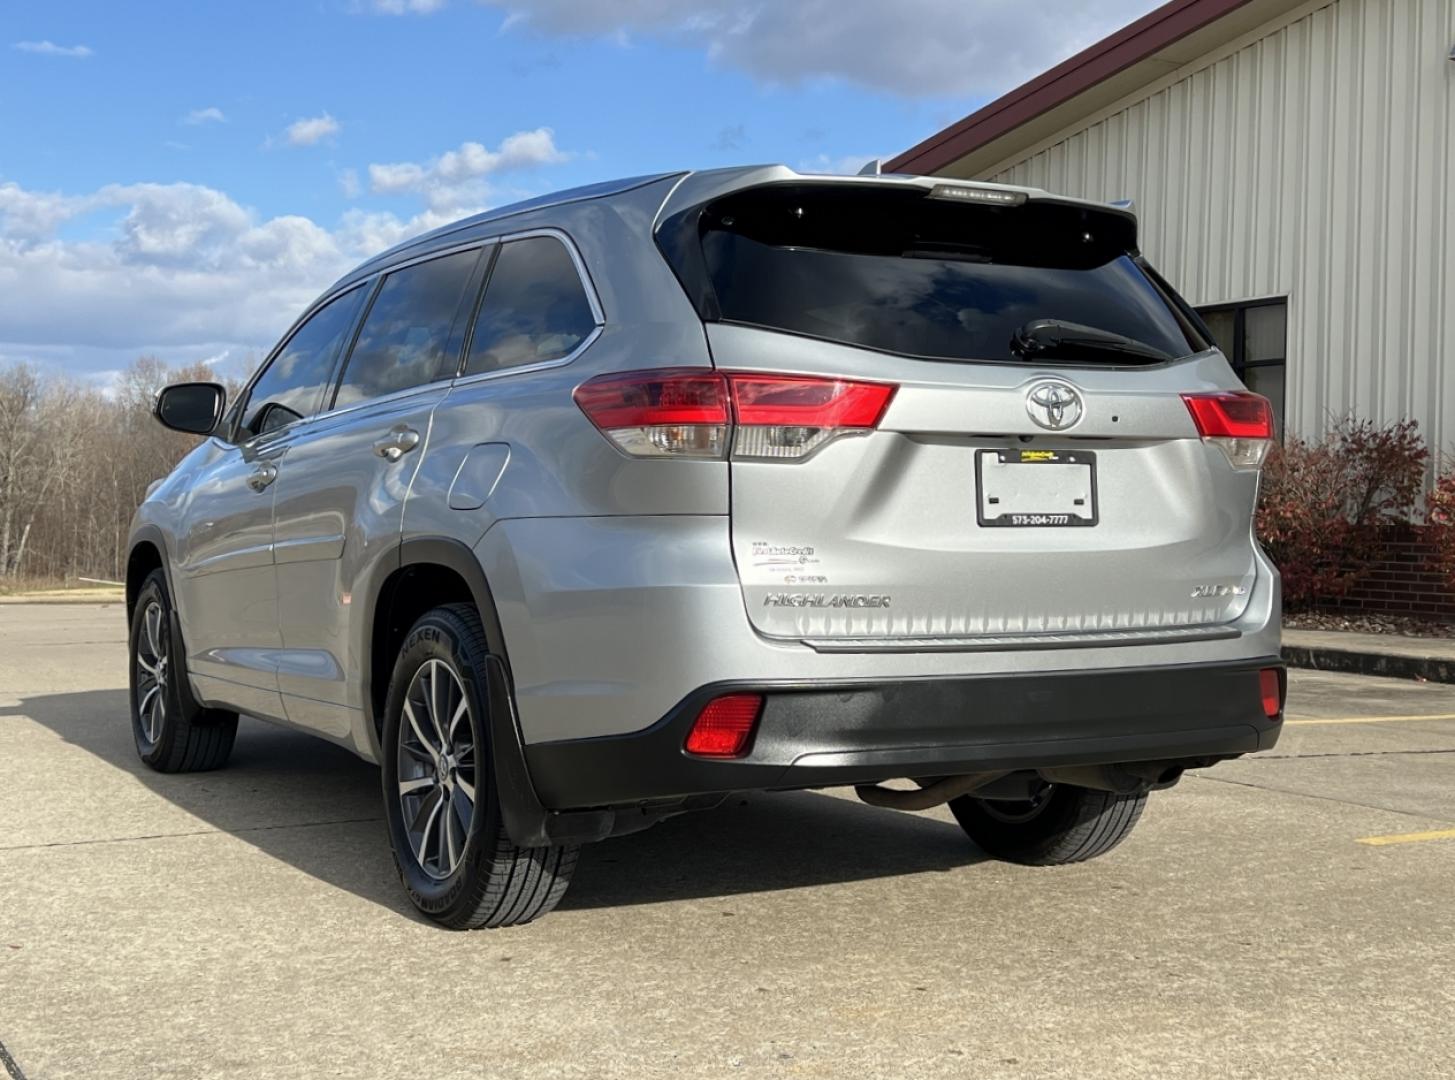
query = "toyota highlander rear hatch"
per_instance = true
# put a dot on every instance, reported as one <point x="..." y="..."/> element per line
<point x="962" y="419"/>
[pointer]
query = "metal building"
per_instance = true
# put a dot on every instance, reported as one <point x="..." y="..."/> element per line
<point x="1291" y="162"/>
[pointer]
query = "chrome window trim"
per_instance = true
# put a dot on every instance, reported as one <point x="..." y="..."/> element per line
<point x="524" y="369"/>
<point x="398" y="395"/>
<point x="598" y="313"/>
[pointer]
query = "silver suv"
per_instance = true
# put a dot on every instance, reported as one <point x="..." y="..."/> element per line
<point x="598" y="508"/>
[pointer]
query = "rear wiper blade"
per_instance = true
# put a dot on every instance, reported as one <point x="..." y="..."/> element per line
<point x="1055" y="339"/>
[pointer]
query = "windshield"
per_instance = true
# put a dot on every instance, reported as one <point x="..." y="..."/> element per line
<point x="905" y="272"/>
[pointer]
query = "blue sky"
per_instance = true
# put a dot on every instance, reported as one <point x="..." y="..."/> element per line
<point x="181" y="178"/>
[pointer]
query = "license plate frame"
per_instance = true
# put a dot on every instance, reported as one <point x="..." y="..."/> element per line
<point x="993" y="511"/>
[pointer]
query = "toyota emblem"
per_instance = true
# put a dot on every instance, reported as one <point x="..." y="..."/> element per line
<point x="1055" y="406"/>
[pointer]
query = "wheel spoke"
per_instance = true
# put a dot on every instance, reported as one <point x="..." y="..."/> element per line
<point x="467" y="789"/>
<point x="430" y="748"/>
<point x="434" y="804"/>
<point x="150" y="669"/>
<point x="409" y="787"/>
<point x="144" y="708"/>
<point x="437" y="710"/>
<point x="153" y="623"/>
<point x="462" y="709"/>
<point x="447" y="829"/>
<point x="158" y="716"/>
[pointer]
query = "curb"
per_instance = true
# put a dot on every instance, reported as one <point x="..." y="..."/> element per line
<point x="1389" y="665"/>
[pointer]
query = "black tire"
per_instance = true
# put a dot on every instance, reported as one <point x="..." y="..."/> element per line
<point x="1063" y="825"/>
<point x="172" y="732"/>
<point x="487" y="881"/>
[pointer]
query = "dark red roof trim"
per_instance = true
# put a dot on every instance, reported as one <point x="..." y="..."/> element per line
<point x="1147" y="36"/>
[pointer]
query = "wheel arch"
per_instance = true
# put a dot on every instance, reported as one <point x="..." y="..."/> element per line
<point x="442" y="566"/>
<point x="146" y="553"/>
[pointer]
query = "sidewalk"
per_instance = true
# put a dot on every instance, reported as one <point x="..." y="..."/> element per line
<point x="1399" y="657"/>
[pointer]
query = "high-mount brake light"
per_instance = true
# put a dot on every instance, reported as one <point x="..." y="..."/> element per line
<point x="1238" y="422"/>
<point x="682" y="412"/>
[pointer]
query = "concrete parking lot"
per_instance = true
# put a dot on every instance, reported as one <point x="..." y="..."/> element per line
<point x="248" y="922"/>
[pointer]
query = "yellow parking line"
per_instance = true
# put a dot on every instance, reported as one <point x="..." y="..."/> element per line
<point x="1408" y="838"/>
<point x="1372" y="719"/>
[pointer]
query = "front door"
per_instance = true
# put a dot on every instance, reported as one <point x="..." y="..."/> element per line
<point x="341" y="489"/>
<point x="226" y="580"/>
<point x="223" y="576"/>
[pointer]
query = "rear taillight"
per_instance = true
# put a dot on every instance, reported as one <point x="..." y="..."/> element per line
<point x="1238" y="422"/>
<point x="784" y="417"/>
<point x="667" y="413"/>
<point x="724" y="727"/>
<point x="697" y="414"/>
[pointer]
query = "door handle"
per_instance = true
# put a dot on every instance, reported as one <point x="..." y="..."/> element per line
<point x="262" y="476"/>
<point x="400" y="440"/>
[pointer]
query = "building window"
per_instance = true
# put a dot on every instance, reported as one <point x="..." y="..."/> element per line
<point x="1254" y="338"/>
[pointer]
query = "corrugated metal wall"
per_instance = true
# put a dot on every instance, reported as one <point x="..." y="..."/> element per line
<point x="1315" y="162"/>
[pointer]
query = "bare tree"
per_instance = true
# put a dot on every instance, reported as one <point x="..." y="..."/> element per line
<point x="74" y="464"/>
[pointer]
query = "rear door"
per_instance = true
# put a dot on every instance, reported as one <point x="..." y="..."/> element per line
<point x="342" y="485"/>
<point x="1053" y="489"/>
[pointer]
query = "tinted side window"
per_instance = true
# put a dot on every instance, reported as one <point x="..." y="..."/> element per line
<point x="406" y="335"/>
<point x="293" y="386"/>
<point x="535" y="308"/>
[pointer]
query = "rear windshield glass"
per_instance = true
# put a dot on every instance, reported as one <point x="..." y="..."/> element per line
<point x="904" y="272"/>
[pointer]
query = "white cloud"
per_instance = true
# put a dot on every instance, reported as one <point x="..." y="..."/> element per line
<point x="846" y="165"/>
<point x="181" y="271"/>
<point x="50" y="48"/>
<point x="29" y="216"/>
<point x="407" y="7"/>
<point x="916" y="48"/>
<point x="186" y="273"/>
<point x="209" y="115"/>
<point x="457" y="177"/>
<point x="348" y="183"/>
<point x="311" y="130"/>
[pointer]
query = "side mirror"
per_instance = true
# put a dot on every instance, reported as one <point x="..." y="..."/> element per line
<point x="194" y="408"/>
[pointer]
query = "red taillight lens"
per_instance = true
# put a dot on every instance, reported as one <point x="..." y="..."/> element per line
<point x="788" y="417"/>
<point x="666" y="413"/>
<point x="1238" y="422"/>
<point x="1231" y="415"/>
<point x="1270" y="684"/>
<point x="724" y="727"/>
<point x="805" y="402"/>
<point x="687" y="412"/>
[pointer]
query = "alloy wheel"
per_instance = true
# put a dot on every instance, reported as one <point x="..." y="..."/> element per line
<point x="436" y="770"/>
<point x="151" y="672"/>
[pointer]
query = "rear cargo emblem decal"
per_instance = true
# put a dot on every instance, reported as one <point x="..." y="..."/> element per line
<point x="825" y="600"/>
<point x="1054" y="405"/>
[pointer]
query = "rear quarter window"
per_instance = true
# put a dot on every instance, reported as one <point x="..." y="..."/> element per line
<point x="535" y="308"/>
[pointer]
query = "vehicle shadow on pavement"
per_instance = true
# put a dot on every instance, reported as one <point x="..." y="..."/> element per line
<point x="315" y="806"/>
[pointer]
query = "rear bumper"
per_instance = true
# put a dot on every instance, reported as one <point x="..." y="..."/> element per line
<point x="820" y="734"/>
